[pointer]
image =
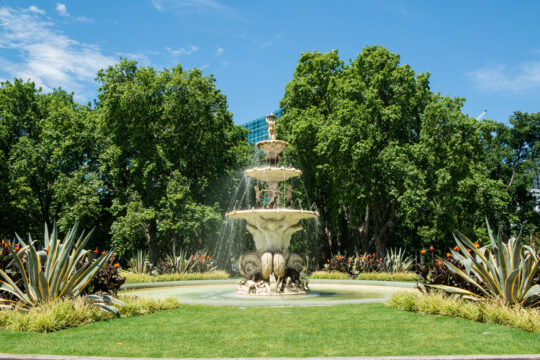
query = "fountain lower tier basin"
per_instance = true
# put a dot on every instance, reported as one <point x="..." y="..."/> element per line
<point x="272" y="228"/>
<point x="272" y="174"/>
<point x="322" y="294"/>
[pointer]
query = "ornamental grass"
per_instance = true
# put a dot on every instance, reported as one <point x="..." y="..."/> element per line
<point x="145" y="278"/>
<point x="69" y="313"/>
<point x="386" y="276"/>
<point x="334" y="275"/>
<point x="437" y="303"/>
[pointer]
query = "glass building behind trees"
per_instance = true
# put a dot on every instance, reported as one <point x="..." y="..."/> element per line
<point x="258" y="128"/>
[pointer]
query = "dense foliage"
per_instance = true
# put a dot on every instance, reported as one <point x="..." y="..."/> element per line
<point x="388" y="162"/>
<point x="149" y="165"/>
<point x="152" y="164"/>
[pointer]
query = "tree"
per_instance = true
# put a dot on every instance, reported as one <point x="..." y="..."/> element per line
<point x="376" y="147"/>
<point x="513" y="157"/>
<point x="48" y="153"/>
<point x="169" y="140"/>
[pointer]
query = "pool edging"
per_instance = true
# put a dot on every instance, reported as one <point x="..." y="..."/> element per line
<point x="149" y="285"/>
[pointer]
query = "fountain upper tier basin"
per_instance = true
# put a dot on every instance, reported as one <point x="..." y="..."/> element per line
<point x="272" y="228"/>
<point x="272" y="174"/>
<point x="272" y="148"/>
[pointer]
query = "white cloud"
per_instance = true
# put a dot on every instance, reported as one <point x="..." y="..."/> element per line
<point x="36" y="10"/>
<point x="270" y="42"/>
<point x="219" y="51"/>
<point x="61" y="9"/>
<point x="190" y="6"/>
<point x="499" y="78"/>
<point x="46" y="55"/>
<point x="182" y="51"/>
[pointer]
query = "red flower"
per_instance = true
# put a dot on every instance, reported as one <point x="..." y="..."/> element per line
<point x="96" y="251"/>
<point x="431" y="248"/>
<point x="456" y="248"/>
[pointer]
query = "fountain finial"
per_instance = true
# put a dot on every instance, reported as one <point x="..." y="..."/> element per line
<point x="271" y="120"/>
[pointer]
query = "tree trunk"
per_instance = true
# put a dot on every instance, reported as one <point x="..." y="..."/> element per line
<point x="363" y="231"/>
<point x="153" y="248"/>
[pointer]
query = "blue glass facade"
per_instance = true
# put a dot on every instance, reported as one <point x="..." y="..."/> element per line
<point x="258" y="128"/>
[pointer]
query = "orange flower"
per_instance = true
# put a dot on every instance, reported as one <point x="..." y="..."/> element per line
<point x="456" y="248"/>
<point x="117" y="265"/>
<point x="47" y="250"/>
<point x="448" y="255"/>
<point x="96" y="251"/>
<point x="431" y="248"/>
<point x="469" y="251"/>
<point x="423" y="251"/>
<point x="103" y="252"/>
<point x="166" y="259"/>
<point x="476" y="245"/>
<point x="327" y="260"/>
<point x="439" y="262"/>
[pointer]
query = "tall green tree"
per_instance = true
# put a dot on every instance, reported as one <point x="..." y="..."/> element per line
<point x="381" y="153"/>
<point x="513" y="157"/>
<point x="170" y="139"/>
<point x="48" y="160"/>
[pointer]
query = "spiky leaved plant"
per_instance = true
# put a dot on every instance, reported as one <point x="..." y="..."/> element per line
<point x="63" y="268"/>
<point x="502" y="271"/>
<point x="181" y="262"/>
<point x="395" y="261"/>
<point x="139" y="264"/>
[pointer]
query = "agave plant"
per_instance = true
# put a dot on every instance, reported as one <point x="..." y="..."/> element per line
<point x="139" y="264"/>
<point x="501" y="271"/>
<point x="62" y="269"/>
<point x="395" y="261"/>
<point x="182" y="263"/>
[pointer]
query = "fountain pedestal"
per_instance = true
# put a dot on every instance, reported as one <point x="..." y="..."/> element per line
<point x="272" y="269"/>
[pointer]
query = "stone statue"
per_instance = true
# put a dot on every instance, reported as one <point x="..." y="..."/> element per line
<point x="257" y="195"/>
<point x="271" y="121"/>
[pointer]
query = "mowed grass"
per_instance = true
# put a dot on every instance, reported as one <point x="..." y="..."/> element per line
<point x="214" y="331"/>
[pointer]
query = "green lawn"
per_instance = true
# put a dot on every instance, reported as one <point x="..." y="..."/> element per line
<point x="212" y="331"/>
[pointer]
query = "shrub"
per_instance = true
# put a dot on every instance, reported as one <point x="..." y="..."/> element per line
<point x="395" y="261"/>
<point x="385" y="276"/>
<point x="437" y="303"/>
<point x="139" y="264"/>
<point x="503" y="272"/>
<point x="437" y="273"/>
<point x="68" y="313"/>
<point x="107" y="280"/>
<point x="61" y="269"/>
<point x="330" y="275"/>
<point x="143" y="278"/>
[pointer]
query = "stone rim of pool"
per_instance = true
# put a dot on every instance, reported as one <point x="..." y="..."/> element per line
<point x="325" y="292"/>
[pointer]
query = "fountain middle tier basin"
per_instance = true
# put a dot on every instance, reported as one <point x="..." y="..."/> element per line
<point x="272" y="174"/>
<point x="272" y="228"/>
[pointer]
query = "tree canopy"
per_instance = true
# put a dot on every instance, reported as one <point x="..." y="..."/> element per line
<point x="386" y="160"/>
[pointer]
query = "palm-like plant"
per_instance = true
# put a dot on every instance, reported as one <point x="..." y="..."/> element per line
<point x="62" y="269"/>
<point x="501" y="271"/>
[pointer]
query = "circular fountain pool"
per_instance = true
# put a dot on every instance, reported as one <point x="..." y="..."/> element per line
<point x="323" y="292"/>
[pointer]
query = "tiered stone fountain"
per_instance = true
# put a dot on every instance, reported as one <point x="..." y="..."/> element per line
<point x="272" y="269"/>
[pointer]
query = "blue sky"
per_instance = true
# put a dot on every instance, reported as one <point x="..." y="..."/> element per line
<point x="485" y="51"/>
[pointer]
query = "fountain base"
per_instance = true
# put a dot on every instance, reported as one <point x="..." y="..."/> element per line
<point x="272" y="273"/>
<point x="272" y="288"/>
